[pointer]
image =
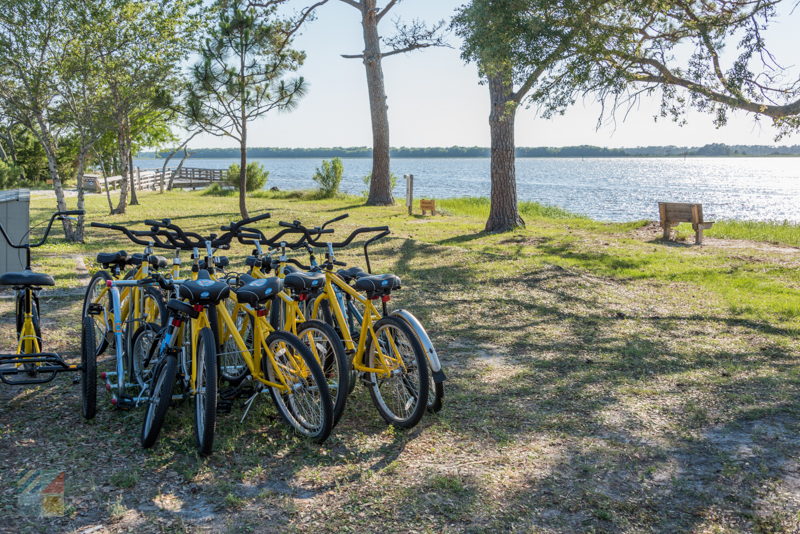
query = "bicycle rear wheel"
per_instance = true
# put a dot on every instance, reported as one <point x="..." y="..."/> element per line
<point x="88" y="369"/>
<point x="402" y="397"/>
<point x="205" y="395"/>
<point x="142" y="342"/>
<point x="307" y="407"/>
<point x="328" y="350"/>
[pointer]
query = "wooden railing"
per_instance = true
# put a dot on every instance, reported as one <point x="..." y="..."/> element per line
<point x="152" y="179"/>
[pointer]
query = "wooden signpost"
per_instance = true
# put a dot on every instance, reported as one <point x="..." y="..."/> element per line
<point x="409" y="192"/>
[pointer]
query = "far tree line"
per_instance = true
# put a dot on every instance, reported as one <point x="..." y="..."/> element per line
<point x="91" y="82"/>
<point x="578" y="151"/>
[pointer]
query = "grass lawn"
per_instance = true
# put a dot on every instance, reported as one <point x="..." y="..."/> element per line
<point x="599" y="380"/>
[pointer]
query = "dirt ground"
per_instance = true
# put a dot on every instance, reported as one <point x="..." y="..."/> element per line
<point x="574" y="403"/>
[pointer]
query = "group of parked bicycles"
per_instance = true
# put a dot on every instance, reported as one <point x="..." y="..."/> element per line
<point x="305" y="332"/>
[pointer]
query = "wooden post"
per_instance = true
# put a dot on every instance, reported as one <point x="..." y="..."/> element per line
<point x="409" y="193"/>
<point x="138" y="184"/>
<point x="662" y="214"/>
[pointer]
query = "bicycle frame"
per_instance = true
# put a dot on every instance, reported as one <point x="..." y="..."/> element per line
<point x="252" y="359"/>
<point x="117" y="389"/>
<point x="28" y="340"/>
<point x="369" y="317"/>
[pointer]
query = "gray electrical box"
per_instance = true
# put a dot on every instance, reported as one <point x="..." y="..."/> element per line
<point x="15" y="218"/>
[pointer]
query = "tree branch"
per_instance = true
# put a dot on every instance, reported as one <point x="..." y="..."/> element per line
<point x="386" y="9"/>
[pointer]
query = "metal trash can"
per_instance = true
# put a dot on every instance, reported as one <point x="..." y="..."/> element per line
<point x="15" y="218"/>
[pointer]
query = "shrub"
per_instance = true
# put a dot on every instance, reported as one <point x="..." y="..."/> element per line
<point x="329" y="177"/>
<point x="368" y="179"/>
<point x="255" y="173"/>
<point x="9" y="175"/>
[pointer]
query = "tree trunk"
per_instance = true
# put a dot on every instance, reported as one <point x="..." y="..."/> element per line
<point x="134" y="198"/>
<point x="105" y="181"/>
<point x="243" y="176"/>
<point x="52" y="165"/>
<point x="380" y="187"/>
<point x="81" y="169"/>
<point x="123" y="186"/>
<point x="177" y="170"/>
<point x="504" y="214"/>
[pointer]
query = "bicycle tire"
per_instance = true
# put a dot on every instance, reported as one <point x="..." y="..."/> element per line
<point x="417" y="366"/>
<point x="232" y="367"/>
<point x="205" y="396"/>
<point x="319" y="429"/>
<point x="88" y="370"/>
<point x="160" y="399"/>
<point x="101" y="333"/>
<point x="141" y="344"/>
<point x="335" y="365"/>
<point x="325" y="315"/>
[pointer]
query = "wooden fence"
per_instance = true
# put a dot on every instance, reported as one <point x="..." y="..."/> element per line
<point x="151" y="179"/>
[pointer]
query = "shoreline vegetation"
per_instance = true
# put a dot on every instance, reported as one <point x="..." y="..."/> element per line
<point x="582" y="151"/>
<point x="772" y="232"/>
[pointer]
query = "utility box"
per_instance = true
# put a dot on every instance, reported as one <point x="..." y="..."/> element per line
<point x="15" y="218"/>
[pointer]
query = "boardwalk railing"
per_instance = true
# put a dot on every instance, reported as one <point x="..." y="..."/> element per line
<point x="186" y="178"/>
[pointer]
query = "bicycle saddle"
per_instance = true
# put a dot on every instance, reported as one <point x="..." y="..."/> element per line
<point x="204" y="290"/>
<point x="259" y="291"/>
<point x="301" y="281"/>
<point x="109" y="258"/>
<point x="378" y="283"/>
<point x="26" y="278"/>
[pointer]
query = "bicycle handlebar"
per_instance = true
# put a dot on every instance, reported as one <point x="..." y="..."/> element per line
<point x="341" y="244"/>
<point x="132" y="235"/>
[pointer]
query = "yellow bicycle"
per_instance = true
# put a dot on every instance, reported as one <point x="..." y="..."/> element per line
<point x="385" y="350"/>
<point x="276" y="361"/>
<point x="30" y="364"/>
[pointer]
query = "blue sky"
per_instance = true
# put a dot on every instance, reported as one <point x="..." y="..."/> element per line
<point x="435" y="99"/>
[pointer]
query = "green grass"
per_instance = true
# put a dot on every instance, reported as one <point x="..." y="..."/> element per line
<point x="599" y="380"/>
<point x="479" y="207"/>
<point x="785" y="233"/>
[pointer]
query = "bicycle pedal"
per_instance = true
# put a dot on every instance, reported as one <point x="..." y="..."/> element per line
<point x="224" y="406"/>
<point x="124" y="403"/>
<point x="246" y="393"/>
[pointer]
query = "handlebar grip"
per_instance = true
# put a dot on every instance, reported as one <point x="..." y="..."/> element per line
<point x="152" y="222"/>
<point x="254" y="219"/>
<point x="99" y="225"/>
<point x="286" y="225"/>
<point x="340" y="217"/>
<point x="72" y="212"/>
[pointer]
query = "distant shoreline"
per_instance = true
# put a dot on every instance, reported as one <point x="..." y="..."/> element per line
<point x="584" y="151"/>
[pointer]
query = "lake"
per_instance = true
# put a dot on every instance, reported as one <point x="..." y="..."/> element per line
<point x="609" y="189"/>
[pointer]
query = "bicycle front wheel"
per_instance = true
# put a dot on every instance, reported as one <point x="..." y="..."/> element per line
<point x="307" y="405"/>
<point x="160" y="399"/>
<point x="205" y="395"/>
<point x="88" y="369"/>
<point x="401" y="393"/>
<point x="328" y="350"/>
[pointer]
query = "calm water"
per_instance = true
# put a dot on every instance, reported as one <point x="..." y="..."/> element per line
<point x="604" y="189"/>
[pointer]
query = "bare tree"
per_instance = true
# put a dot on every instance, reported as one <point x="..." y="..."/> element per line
<point x="414" y="35"/>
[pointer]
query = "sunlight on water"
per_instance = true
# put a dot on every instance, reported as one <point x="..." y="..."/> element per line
<point x="604" y="189"/>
